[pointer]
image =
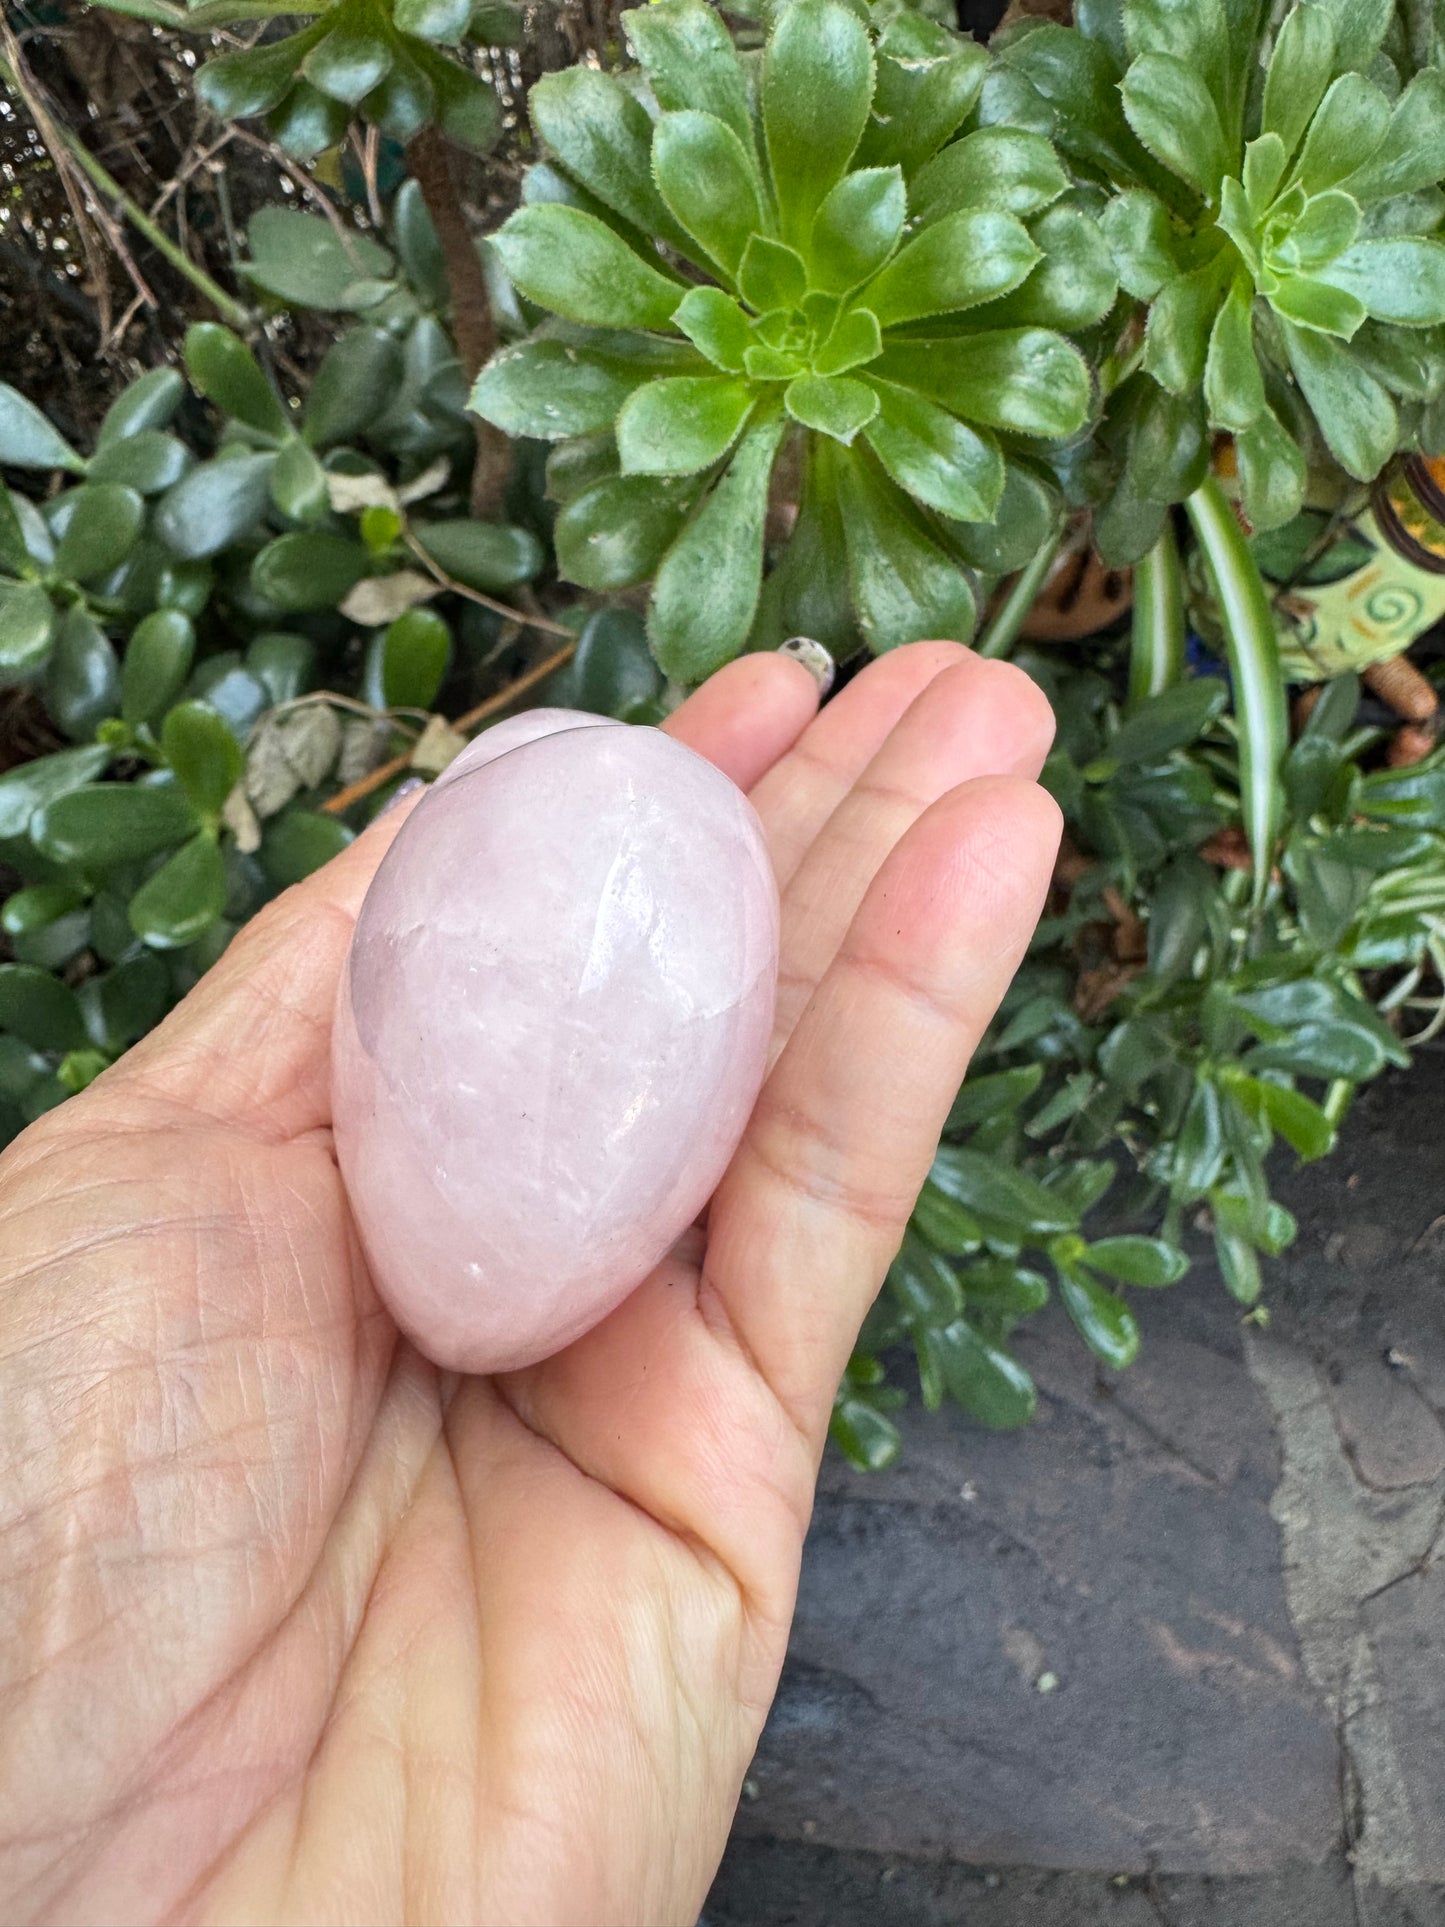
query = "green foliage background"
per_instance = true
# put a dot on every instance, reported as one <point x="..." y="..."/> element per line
<point x="830" y="321"/>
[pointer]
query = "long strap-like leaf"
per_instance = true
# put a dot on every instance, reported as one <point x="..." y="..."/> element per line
<point x="1253" y="655"/>
<point x="1156" y="649"/>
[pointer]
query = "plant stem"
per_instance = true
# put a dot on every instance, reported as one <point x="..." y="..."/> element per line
<point x="1002" y="630"/>
<point x="365" y="785"/>
<point x="1156" y="652"/>
<point x="230" y="310"/>
<point x="429" y="157"/>
<point x="1253" y="652"/>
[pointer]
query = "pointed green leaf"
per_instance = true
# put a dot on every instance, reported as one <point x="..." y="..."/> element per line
<point x="817" y="86"/>
<point x="1349" y="127"/>
<point x="99" y="826"/>
<point x="1233" y="384"/>
<point x="356" y="382"/>
<point x="1300" y="69"/>
<point x="307" y="571"/>
<point x="40" y="1010"/>
<point x="1072" y="287"/>
<point x="183" y="898"/>
<point x="958" y="262"/>
<point x="1412" y="154"/>
<point x="715" y="325"/>
<point x="1170" y="108"/>
<point x="1104" y="1321"/>
<point x="548" y="389"/>
<point x="147" y="461"/>
<point x="213" y="505"/>
<point x="492" y="556"/>
<point x="856" y="228"/>
<point x="252" y="82"/>
<point x="997" y="1190"/>
<point x="1176" y="339"/>
<point x="980" y="1377"/>
<point x="569" y="262"/>
<point x="26" y="438"/>
<point x="1401" y="281"/>
<point x="934" y="457"/>
<point x="710" y="181"/>
<point x="1141" y="239"/>
<point x="832" y="405"/>
<point x="27" y="628"/>
<point x="148" y="403"/>
<point x="1024" y="379"/>
<point x="689" y="57"/>
<point x="854" y="340"/>
<point x="996" y="168"/>
<point x="680" y="426"/>
<point x="82" y="676"/>
<point x="1264" y="164"/>
<point x="772" y="277"/>
<point x="617" y="532"/>
<point x="1312" y="302"/>
<point x="1326" y="227"/>
<point x="1272" y="473"/>
<point x="203" y="754"/>
<point x="1356" y="415"/>
<point x="157" y="661"/>
<point x="347" y="64"/>
<point x="307" y="122"/>
<point x="904" y="587"/>
<point x="707" y="587"/>
<point x="928" y="83"/>
<point x="444" y="22"/>
<point x="602" y="135"/>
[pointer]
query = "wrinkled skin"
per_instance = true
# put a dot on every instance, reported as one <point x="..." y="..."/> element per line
<point x="292" y="1626"/>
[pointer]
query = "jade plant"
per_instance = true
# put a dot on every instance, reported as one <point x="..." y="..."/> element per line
<point x="787" y="267"/>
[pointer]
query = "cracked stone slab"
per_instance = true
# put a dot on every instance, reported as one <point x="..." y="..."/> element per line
<point x="781" y="1884"/>
<point x="1353" y="1366"/>
<point x="1068" y="1647"/>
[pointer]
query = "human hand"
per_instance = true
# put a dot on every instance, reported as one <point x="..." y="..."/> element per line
<point x="297" y="1627"/>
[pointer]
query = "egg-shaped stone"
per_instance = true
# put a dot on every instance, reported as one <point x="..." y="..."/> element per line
<point x="550" y="1033"/>
<point x="513" y="733"/>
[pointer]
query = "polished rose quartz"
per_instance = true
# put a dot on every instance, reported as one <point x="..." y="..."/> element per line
<point x="550" y="1032"/>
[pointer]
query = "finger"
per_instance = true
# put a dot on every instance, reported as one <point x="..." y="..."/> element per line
<point x="796" y="798"/>
<point x="977" y="718"/>
<point x="813" y="1206"/>
<point x="747" y="715"/>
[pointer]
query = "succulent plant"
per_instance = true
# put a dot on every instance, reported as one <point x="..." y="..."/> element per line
<point x="1275" y="207"/>
<point x="759" y="265"/>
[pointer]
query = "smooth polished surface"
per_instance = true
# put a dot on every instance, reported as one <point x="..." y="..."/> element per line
<point x="531" y="725"/>
<point x="550" y="1034"/>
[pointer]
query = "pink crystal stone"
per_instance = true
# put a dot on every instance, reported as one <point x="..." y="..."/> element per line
<point x="550" y="1032"/>
<point x="516" y="730"/>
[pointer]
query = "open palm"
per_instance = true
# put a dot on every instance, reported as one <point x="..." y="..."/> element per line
<point x="294" y="1627"/>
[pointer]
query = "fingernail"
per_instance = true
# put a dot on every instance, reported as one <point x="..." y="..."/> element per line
<point x="400" y="794"/>
<point x="814" y="658"/>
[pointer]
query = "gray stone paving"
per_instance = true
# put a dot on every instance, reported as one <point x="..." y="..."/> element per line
<point x="1177" y="1654"/>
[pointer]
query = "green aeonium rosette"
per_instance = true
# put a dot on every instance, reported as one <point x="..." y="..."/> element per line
<point x="793" y="264"/>
<point x="1276" y="178"/>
